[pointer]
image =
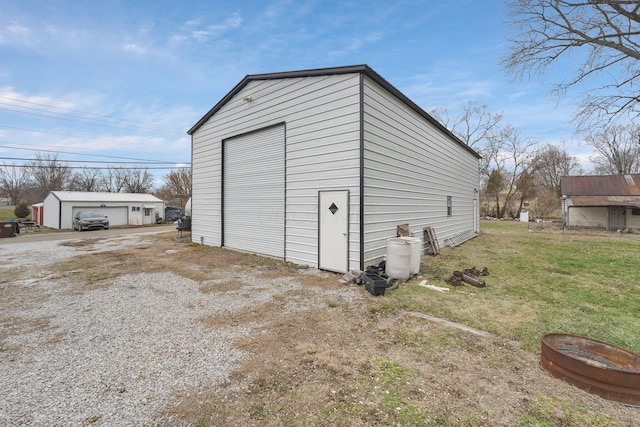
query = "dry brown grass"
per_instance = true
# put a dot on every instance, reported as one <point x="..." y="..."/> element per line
<point x="316" y="359"/>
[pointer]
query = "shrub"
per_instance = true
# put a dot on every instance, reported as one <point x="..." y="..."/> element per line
<point x="22" y="211"/>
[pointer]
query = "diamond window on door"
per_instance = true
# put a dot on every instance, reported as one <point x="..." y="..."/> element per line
<point x="333" y="208"/>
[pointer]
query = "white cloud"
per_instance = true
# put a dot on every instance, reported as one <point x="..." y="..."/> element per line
<point x="356" y="43"/>
<point x="231" y="23"/>
<point x="428" y="91"/>
<point x="195" y="29"/>
<point x="200" y="35"/>
<point x="192" y="23"/>
<point x="177" y="38"/>
<point x="16" y="34"/>
<point x="9" y="96"/>
<point x="134" y="48"/>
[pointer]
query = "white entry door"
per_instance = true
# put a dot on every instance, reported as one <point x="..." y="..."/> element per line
<point x="333" y="252"/>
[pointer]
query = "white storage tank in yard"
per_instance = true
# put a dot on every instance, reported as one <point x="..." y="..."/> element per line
<point x="416" y="253"/>
<point x="398" y="263"/>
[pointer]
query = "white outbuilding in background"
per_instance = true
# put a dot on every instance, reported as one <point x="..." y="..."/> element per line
<point x="59" y="207"/>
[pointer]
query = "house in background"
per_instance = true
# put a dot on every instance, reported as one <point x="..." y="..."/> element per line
<point x="59" y="208"/>
<point x="318" y="167"/>
<point x="5" y="200"/>
<point x="611" y="202"/>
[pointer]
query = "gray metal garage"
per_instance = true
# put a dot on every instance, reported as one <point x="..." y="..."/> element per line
<point x="318" y="167"/>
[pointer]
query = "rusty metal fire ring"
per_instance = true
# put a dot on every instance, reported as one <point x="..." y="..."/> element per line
<point x="609" y="371"/>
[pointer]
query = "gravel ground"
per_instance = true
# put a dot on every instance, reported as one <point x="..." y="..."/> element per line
<point x="114" y="355"/>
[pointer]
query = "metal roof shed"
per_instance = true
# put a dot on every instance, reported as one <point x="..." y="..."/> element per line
<point x="611" y="202"/>
<point x="318" y="167"/>
<point x="121" y="208"/>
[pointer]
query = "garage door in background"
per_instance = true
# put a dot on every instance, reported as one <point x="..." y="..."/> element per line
<point x="254" y="191"/>
<point x="117" y="215"/>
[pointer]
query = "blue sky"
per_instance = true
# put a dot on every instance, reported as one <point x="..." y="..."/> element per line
<point x="129" y="78"/>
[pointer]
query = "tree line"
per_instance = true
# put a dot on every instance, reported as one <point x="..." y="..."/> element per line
<point x="598" y="41"/>
<point x="516" y="169"/>
<point x="31" y="182"/>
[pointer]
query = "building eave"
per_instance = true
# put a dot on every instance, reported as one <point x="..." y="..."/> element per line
<point x="351" y="69"/>
<point x="603" y="201"/>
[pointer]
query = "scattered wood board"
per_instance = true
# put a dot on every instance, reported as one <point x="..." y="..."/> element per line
<point x="431" y="240"/>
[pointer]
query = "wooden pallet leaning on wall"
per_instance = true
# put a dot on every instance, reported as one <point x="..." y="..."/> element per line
<point x="431" y="240"/>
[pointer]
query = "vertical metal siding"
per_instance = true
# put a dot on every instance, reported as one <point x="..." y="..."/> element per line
<point x="206" y="169"/>
<point x="410" y="167"/>
<point x="51" y="205"/>
<point x="322" y="153"/>
<point x="254" y="192"/>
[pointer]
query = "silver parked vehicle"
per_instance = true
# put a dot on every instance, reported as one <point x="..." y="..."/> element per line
<point x="86" y="220"/>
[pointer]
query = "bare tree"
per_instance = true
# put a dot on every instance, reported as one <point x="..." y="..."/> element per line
<point x="550" y="163"/>
<point x="114" y="180"/>
<point x="526" y="188"/>
<point x="15" y="181"/>
<point x="177" y="186"/>
<point x="49" y="173"/>
<point x="510" y="154"/>
<point x="493" y="188"/>
<point x="547" y="201"/>
<point x="601" y="37"/>
<point x="618" y="150"/>
<point x="87" y="179"/>
<point x="137" y="181"/>
<point x="473" y="126"/>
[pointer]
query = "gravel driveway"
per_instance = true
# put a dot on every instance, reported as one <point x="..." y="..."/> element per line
<point x="114" y="355"/>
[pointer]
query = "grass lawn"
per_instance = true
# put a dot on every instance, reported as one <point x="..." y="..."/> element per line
<point x="542" y="280"/>
<point x="6" y="213"/>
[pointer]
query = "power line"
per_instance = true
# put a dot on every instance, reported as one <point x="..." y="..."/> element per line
<point x="37" y="130"/>
<point x="145" y="162"/>
<point x="83" y="154"/>
<point x="53" y="106"/>
<point x="61" y="117"/>
<point x="102" y="167"/>
<point x="74" y="135"/>
<point x="83" y="115"/>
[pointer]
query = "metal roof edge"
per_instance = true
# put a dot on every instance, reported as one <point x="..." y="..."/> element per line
<point x="600" y="185"/>
<point x="369" y="72"/>
<point x="361" y="68"/>
<point x="272" y="76"/>
<point x="219" y="105"/>
<point x="75" y="196"/>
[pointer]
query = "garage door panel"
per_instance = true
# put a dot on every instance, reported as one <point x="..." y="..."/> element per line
<point x="118" y="215"/>
<point x="254" y="189"/>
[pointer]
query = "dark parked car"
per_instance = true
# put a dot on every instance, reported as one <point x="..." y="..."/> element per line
<point x="172" y="214"/>
<point x="86" y="220"/>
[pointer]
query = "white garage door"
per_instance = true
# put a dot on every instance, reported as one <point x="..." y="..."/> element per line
<point x="117" y="214"/>
<point x="254" y="178"/>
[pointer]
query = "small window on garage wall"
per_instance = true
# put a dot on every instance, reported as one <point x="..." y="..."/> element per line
<point x="449" y="206"/>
